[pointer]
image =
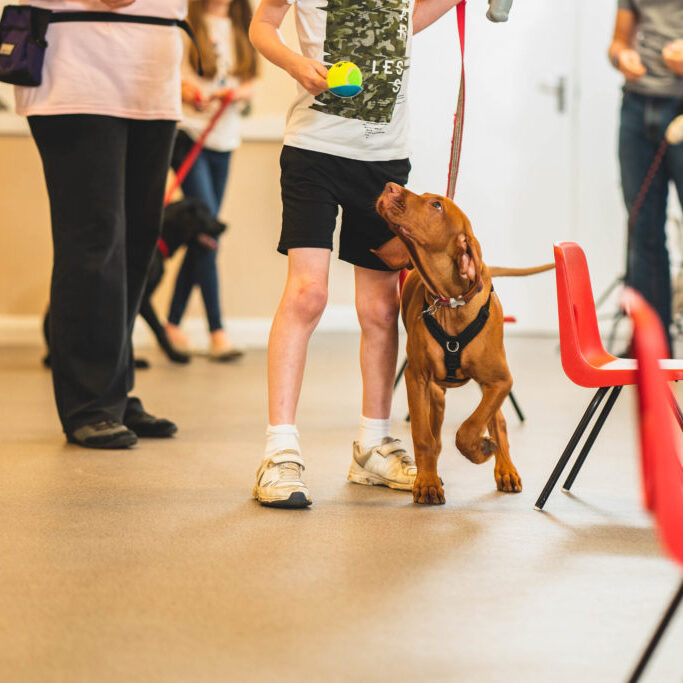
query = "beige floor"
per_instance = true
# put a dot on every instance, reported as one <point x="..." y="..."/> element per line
<point x="155" y="564"/>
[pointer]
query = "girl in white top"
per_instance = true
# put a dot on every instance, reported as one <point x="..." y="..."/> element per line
<point x="229" y="64"/>
<point x="104" y="120"/>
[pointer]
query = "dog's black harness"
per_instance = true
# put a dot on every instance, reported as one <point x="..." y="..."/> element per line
<point x="453" y="346"/>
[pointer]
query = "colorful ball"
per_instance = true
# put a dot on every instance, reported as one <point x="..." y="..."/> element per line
<point x="345" y="79"/>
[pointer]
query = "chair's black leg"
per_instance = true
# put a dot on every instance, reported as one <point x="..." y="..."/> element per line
<point x="652" y="645"/>
<point x="576" y="436"/>
<point x="400" y="373"/>
<point x="618" y="317"/>
<point x="515" y="405"/>
<point x="611" y="400"/>
<point x="677" y="409"/>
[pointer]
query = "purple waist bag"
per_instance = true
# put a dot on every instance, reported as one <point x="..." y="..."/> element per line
<point x="22" y="44"/>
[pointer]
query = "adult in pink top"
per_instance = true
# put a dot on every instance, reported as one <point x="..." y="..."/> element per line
<point x="104" y="120"/>
<point x="127" y="70"/>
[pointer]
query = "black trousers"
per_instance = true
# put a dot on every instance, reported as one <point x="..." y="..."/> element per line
<point x="105" y="178"/>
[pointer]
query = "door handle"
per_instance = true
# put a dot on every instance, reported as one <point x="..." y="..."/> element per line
<point x="559" y="91"/>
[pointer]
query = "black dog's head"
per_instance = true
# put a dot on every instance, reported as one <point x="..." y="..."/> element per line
<point x="187" y="221"/>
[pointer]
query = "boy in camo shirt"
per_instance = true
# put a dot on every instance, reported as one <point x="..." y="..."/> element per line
<point x="339" y="152"/>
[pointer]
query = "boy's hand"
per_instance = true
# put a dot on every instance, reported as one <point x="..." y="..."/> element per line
<point x="630" y="65"/>
<point x="310" y="73"/>
<point x="673" y="56"/>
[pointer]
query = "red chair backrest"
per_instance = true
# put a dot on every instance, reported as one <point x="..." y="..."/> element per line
<point x="579" y="334"/>
<point x="659" y="431"/>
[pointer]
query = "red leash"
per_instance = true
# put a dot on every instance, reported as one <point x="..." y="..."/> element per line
<point x="197" y="147"/>
<point x="459" y="118"/>
<point x="458" y="121"/>
<point x="189" y="160"/>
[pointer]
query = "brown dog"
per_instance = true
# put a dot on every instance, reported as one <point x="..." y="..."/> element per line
<point x="450" y="286"/>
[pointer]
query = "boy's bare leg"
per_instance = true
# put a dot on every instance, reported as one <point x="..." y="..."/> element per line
<point x="301" y="306"/>
<point x="279" y="480"/>
<point x="378" y="460"/>
<point x="377" y="306"/>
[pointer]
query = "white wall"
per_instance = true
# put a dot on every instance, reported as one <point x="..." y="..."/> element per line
<point x="529" y="175"/>
<point x="601" y="214"/>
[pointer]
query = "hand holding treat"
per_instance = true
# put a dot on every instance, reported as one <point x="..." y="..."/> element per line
<point x="631" y="65"/>
<point x="673" y="56"/>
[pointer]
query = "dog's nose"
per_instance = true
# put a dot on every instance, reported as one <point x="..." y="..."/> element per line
<point x="392" y="188"/>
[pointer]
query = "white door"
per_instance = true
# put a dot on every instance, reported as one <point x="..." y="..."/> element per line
<point x="518" y="179"/>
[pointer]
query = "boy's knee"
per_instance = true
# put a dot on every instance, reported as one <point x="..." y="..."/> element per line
<point x="307" y="298"/>
<point x="378" y="313"/>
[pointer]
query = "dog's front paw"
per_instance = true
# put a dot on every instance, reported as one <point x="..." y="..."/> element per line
<point x="507" y="478"/>
<point x="478" y="450"/>
<point x="428" y="490"/>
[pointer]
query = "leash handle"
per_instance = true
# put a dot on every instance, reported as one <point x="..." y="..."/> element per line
<point x="189" y="160"/>
<point x="499" y="10"/>
<point x="459" y="118"/>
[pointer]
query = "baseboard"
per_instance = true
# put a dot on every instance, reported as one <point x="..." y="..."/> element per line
<point x="20" y="330"/>
<point x="246" y="332"/>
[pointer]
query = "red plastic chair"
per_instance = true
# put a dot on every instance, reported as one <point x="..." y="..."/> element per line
<point x="660" y="446"/>
<point x="585" y="360"/>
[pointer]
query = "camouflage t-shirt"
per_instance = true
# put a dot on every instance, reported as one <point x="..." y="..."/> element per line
<point x="376" y="36"/>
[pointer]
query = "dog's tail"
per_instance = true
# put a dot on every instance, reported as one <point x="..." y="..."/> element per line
<point x="497" y="271"/>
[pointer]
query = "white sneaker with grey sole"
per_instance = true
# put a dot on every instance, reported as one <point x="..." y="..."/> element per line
<point x="279" y="481"/>
<point x="385" y="465"/>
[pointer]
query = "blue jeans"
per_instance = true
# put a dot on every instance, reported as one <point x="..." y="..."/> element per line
<point x="206" y="181"/>
<point x="643" y="123"/>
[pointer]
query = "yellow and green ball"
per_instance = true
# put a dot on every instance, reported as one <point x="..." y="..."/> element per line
<point x="345" y="79"/>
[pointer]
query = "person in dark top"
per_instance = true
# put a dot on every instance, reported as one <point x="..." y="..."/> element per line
<point x="647" y="48"/>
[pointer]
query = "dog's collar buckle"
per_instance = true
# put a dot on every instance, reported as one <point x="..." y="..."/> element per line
<point x="454" y="303"/>
<point x="438" y="302"/>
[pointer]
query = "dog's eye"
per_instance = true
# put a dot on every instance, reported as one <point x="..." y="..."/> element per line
<point x="437" y="205"/>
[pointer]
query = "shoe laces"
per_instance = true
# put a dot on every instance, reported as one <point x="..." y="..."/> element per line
<point x="289" y="471"/>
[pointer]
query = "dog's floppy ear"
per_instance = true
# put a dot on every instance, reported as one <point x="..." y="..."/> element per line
<point x="394" y="254"/>
<point x="468" y="256"/>
<point x="475" y="249"/>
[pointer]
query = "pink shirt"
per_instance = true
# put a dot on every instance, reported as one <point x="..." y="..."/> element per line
<point x="124" y="70"/>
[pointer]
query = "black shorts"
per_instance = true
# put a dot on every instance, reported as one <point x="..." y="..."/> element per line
<point x="315" y="185"/>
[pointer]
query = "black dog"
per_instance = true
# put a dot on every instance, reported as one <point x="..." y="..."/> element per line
<point x="184" y="222"/>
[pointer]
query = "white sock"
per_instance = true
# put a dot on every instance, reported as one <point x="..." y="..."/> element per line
<point x="372" y="432"/>
<point x="281" y="437"/>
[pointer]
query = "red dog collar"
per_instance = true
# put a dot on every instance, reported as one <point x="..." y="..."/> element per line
<point x="462" y="300"/>
<point x="163" y="248"/>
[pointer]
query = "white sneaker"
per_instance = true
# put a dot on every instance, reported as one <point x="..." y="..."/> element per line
<point x="385" y="465"/>
<point x="279" y="481"/>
